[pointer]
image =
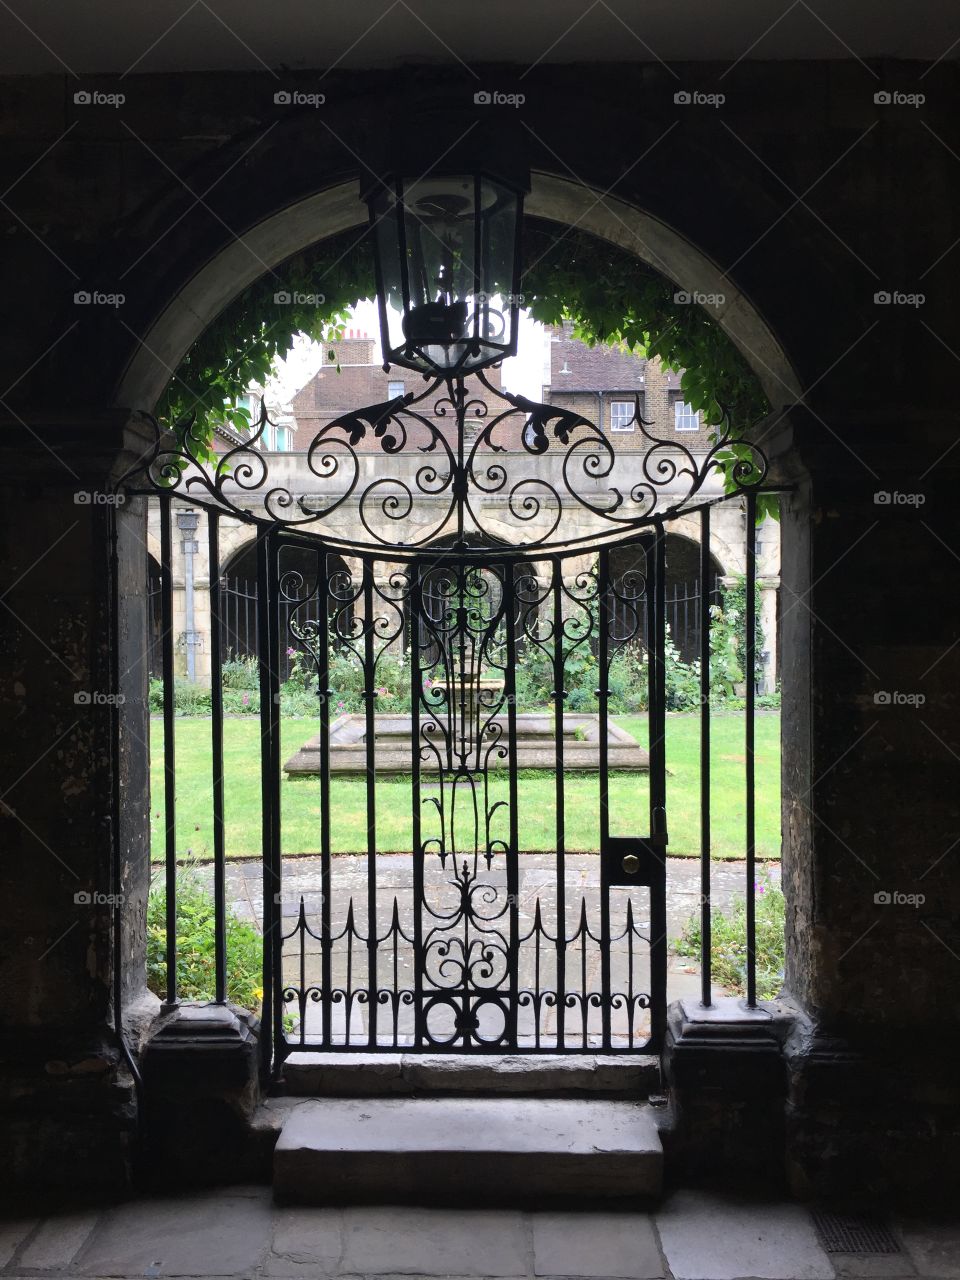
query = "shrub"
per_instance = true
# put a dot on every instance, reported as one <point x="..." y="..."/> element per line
<point x="729" y="941"/>
<point x="240" y="673"/>
<point x="196" y="965"/>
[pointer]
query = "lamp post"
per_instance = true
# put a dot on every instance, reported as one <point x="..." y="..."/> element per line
<point x="187" y="522"/>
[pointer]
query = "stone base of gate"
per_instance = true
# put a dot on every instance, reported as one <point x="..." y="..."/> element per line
<point x="726" y="1082"/>
<point x="201" y="1090"/>
<point x="309" y="1074"/>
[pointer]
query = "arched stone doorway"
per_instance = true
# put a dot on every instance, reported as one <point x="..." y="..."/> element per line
<point x="560" y="620"/>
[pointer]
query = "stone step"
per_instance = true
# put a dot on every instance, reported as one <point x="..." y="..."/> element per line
<point x="492" y="1150"/>
<point x="315" y="1074"/>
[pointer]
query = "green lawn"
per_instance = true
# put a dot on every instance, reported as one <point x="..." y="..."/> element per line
<point x="537" y="794"/>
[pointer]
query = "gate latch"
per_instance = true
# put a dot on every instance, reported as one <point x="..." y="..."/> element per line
<point x="634" y="860"/>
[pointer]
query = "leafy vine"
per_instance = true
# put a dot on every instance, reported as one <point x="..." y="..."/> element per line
<point x="610" y="296"/>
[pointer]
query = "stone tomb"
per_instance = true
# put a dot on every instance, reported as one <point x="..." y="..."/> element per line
<point x="393" y="742"/>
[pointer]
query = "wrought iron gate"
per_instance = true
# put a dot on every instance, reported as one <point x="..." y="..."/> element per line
<point x="473" y="944"/>
<point x="488" y="553"/>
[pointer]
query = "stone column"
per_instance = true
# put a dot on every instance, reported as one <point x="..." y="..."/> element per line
<point x="871" y="574"/>
<point x="69" y="1099"/>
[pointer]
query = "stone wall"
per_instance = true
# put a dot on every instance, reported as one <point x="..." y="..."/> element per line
<point x="869" y="786"/>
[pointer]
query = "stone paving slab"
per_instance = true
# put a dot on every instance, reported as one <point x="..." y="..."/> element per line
<point x="435" y="1242"/>
<point x="710" y="1237"/>
<point x="621" y="1245"/>
<point x="206" y="1234"/>
<point x="58" y="1240"/>
<point x="934" y="1250"/>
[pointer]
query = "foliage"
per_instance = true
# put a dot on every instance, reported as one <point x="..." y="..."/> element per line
<point x="728" y="639"/>
<point x="196" y="974"/>
<point x="610" y="296"/>
<point x="535" y="684"/>
<point x="238" y="672"/>
<point x="729" y="941"/>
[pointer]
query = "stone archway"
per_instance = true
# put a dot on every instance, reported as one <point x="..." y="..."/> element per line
<point x="338" y="208"/>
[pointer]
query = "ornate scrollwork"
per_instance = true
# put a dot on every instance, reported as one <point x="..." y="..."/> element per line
<point x="448" y="463"/>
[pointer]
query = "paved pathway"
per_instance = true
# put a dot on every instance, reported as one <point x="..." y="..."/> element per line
<point x="240" y="1233"/>
<point x="538" y="893"/>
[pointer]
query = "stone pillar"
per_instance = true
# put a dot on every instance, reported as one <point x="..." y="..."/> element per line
<point x="871" y="574"/>
<point x="69" y="1101"/>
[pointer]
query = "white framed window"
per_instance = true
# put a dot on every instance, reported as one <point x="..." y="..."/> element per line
<point x="395" y="389"/>
<point x="685" y="418"/>
<point x="281" y="440"/>
<point x="622" y="415"/>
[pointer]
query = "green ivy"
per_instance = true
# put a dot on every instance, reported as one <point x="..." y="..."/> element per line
<point x="610" y="296"/>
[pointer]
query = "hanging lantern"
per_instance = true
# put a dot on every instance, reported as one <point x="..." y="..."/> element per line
<point x="447" y="251"/>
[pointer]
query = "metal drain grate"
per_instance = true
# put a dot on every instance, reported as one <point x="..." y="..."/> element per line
<point x="847" y="1233"/>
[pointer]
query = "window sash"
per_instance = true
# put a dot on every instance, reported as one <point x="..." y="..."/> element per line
<point x="621" y="412"/>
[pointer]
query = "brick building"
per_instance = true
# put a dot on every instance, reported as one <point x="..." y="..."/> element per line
<point x="604" y="384"/>
<point x="350" y="376"/>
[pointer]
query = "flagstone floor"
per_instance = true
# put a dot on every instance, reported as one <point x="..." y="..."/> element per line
<point x="239" y="1233"/>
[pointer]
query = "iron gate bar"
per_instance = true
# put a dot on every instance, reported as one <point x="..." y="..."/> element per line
<point x="706" y="983"/>
<point x="169" y="747"/>
<point x="369" y="694"/>
<point x="750" y="674"/>
<point x="513" y="868"/>
<point x="326" y="879"/>
<point x="603" y="659"/>
<point x="657" y="722"/>
<point x="216" y="752"/>
<point x="559" y="696"/>
<point x="271" y="1015"/>
<point x="416" y="685"/>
